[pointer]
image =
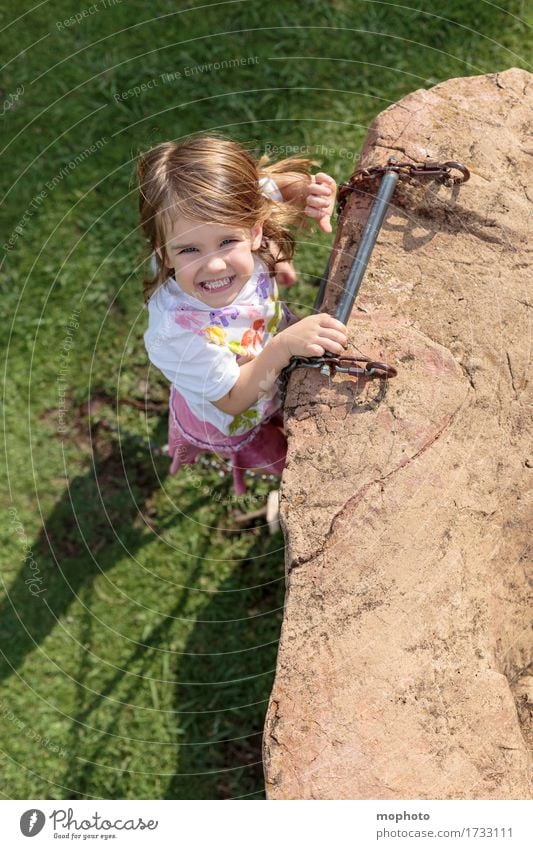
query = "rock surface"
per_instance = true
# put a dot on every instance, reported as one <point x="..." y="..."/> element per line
<point x="405" y="662"/>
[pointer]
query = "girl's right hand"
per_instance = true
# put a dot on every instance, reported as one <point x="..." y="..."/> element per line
<point x="313" y="336"/>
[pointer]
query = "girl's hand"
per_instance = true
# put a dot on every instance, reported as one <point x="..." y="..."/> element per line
<point x="285" y="274"/>
<point x="313" y="336"/>
<point x="320" y="200"/>
<point x="284" y="270"/>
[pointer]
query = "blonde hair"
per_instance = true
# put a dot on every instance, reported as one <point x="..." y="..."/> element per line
<point x="212" y="178"/>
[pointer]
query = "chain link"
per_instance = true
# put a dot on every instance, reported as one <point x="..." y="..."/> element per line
<point x="442" y="172"/>
<point x="345" y="364"/>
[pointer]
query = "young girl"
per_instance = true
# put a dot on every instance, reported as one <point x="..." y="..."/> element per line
<point x="220" y="226"/>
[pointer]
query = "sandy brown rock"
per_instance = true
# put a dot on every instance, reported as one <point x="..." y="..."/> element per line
<point x="405" y="663"/>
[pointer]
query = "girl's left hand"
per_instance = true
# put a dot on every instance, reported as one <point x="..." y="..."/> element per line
<point x="320" y="200"/>
<point x="285" y="274"/>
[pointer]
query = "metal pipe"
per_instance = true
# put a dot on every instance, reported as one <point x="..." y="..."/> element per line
<point x="366" y="246"/>
<point x="323" y="283"/>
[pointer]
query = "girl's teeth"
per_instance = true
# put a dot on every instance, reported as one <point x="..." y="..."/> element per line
<point x="217" y="284"/>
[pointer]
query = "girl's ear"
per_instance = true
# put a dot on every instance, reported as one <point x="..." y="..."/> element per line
<point x="257" y="236"/>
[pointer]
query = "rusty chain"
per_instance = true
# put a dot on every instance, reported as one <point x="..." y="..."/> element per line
<point x="442" y="172"/>
<point x="372" y="369"/>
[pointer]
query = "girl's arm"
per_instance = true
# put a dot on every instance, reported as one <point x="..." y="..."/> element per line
<point x="307" y="337"/>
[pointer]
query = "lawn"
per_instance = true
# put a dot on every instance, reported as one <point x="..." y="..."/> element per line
<point x="139" y="627"/>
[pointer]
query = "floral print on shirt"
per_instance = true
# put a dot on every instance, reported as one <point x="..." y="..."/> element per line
<point x="220" y="328"/>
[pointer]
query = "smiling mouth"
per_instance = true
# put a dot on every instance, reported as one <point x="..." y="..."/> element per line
<point x="217" y="285"/>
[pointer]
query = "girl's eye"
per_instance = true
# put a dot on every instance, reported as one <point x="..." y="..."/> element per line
<point x="184" y="250"/>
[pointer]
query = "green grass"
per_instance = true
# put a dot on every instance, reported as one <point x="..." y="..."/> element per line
<point x="146" y="661"/>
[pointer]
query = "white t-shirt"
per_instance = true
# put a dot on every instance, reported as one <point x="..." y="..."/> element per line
<point x="198" y="348"/>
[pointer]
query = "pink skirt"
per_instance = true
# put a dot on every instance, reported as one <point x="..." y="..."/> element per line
<point x="264" y="447"/>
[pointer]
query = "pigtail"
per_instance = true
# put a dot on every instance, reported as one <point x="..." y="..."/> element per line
<point x="292" y="164"/>
<point x="284" y="218"/>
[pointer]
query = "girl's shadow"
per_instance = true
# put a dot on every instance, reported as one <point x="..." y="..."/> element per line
<point x="226" y="675"/>
<point x="223" y="676"/>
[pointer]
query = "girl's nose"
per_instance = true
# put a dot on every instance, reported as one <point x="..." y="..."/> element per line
<point x="216" y="263"/>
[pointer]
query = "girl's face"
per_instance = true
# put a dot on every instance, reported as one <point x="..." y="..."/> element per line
<point x="212" y="262"/>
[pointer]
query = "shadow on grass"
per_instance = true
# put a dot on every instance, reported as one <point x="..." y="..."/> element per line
<point x="226" y="676"/>
<point x="219" y="698"/>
